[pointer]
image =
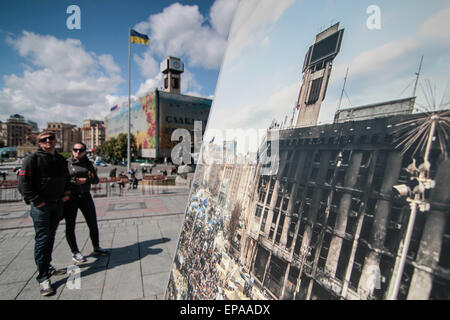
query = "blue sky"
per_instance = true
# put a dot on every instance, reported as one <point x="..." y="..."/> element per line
<point x="261" y="74"/>
<point x="52" y="73"/>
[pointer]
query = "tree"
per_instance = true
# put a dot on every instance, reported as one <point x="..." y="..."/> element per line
<point x="121" y="146"/>
<point x="116" y="148"/>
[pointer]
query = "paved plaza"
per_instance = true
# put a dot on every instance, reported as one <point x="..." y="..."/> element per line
<point x="140" y="229"/>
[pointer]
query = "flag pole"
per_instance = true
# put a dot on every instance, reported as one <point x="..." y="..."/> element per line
<point x="129" y="102"/>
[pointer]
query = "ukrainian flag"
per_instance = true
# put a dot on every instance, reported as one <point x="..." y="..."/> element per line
<point x="136" y="37"/>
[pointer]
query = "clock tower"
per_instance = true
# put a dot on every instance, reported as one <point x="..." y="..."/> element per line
<point x="172" y="68"/>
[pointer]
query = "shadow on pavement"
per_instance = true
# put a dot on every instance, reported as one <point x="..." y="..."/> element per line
<point x="117" y="257"/>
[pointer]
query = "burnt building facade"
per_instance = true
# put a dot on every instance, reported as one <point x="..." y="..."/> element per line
<point x="327" y="224"/>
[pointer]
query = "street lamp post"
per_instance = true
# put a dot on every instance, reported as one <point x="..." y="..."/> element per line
<point x="416" y="202"/>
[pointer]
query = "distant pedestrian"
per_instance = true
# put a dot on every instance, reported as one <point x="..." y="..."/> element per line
<point x="82" y="174"/>
<point x="112" y="173"/>
<point x="123" y="179"/>
<point x="44" y="182"/>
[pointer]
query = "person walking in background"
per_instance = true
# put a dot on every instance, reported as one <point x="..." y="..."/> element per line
<point x="44" y="182"/>
<point x="82" y="174"/>
<point x="112" y="173"/>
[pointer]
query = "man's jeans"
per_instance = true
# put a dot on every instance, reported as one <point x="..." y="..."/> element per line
<point x="45" y="220"/>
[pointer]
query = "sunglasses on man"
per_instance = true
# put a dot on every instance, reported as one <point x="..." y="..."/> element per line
<point x="78" y="150"/>
<point x="50" y="138"/>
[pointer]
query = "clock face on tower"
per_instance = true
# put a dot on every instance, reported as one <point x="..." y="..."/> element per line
<point x="176" y="65"/>
<point x="171" y="64"/>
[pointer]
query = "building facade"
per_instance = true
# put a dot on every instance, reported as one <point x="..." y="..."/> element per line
<point x="157" y="115"/>
<point x="93" y="133"/>
<point x="328" y="225"/>
<point x="66" y="134"/>
<point x="18" y="131"/>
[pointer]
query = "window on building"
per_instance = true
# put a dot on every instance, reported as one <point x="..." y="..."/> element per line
<point x="324" y="251"/>
<point x="263" y="222"/>
<point x="280" y="228"/>
<point x="358" y="264"/>
<point x="344" y="256"/>
<point x="299" y="238"/>
<point x="291" y="230"/>
<point x="314" y="92"/>
<point x="275" y="275"/>
<point x="258" y="211"/>
<point x="444" y="260"/>
<point x="175" y="83"/>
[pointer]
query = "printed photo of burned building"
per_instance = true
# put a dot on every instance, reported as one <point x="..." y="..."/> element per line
<point x="357" y="208"/>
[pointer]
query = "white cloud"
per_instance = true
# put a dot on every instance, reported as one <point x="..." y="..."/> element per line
<point x="149" y="85"/>
<point x="437" y="26"/>
<point x="62" y="81"/>
<point x="221" y="15"/>
<point x="257" y="116"/>
<point x="182" y="31"/>
<point x="148" y="66"/>
<point x="387" y="56"/>
<point x="188" y="82"/>
<point x="107" y="62"/>
<point x="252" y="20"/>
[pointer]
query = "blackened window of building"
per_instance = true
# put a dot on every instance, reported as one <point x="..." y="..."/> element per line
<point x="314" y="173"/>
<point x="290" y="237"/>
<point x="439" y="290"/>
<point x="285" y="204"/>
<point x="291" y="284"/>
<point x="258" y="211"/>
<point x="343" y="259"/>
<point x="175" y="83"/>
<point x="360" y="255"/>
<point x="366" y="228"/>
<point x="324" y="251"/>
<point x="314" y="93"/>
<point x="260" y="263"/>
<point x="275" y="276"/>
<point x="298" y="239"/>
<point x="277" y="205"/>
<point x="444" y="260"/>
<point x="406" y="281"/>
<point x="263" y="222"/>
<point x="280" y="228"/>
<point x="380" y="166"/>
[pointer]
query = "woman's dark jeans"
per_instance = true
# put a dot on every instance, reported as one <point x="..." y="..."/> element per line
<point x="45" y="220"/>
<point x="85" y="203"/>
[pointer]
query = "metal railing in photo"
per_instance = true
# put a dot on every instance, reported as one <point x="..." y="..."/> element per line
<point x="102" y="189"/>
<point x="9" y="191"/>
<point x="154" y="184"/>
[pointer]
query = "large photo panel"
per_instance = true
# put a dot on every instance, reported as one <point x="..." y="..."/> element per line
<point x="323" y="168"/>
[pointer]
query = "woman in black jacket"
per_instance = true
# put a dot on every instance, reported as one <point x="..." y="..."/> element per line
<point x="82" y="174"/>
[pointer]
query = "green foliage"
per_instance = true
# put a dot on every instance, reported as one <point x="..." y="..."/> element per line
<point x="116" y="148"/>
<point x="66" y="155"/>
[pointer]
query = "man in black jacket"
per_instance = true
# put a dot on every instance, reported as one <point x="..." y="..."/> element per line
<point x="44" y="182"/>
